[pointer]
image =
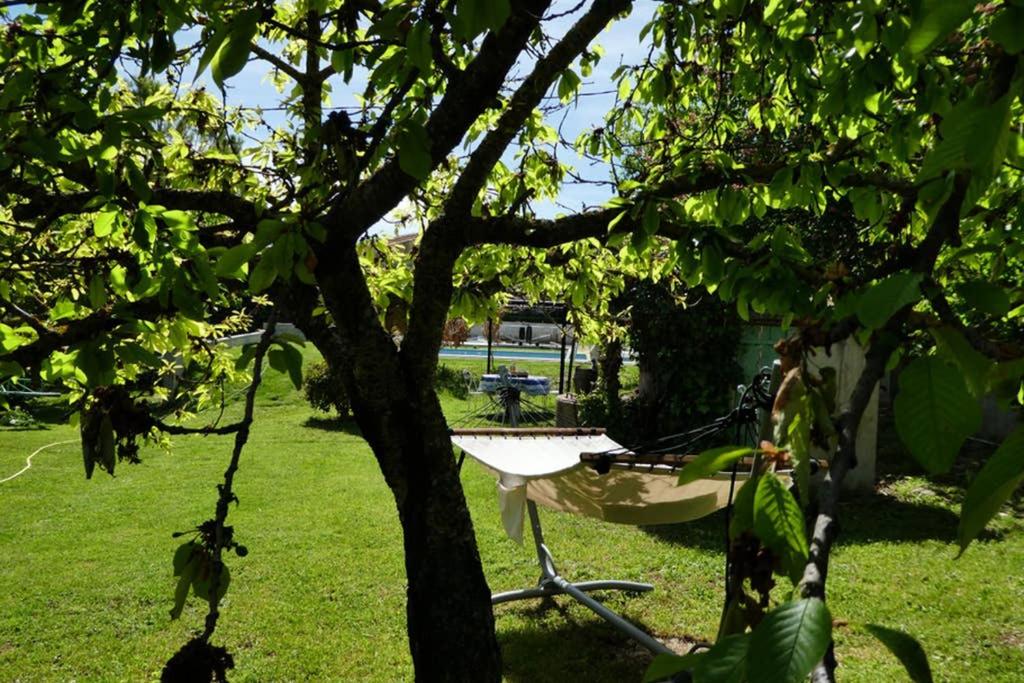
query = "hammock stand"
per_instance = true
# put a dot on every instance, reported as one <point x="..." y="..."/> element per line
<point x="552" y="583"/>
<point x="659" y="458"/>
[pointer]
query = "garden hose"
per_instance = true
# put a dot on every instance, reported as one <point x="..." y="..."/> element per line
<point x="28" y="460"/>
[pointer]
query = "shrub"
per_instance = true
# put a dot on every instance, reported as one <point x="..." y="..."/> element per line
<point x="455" y="382"/>
<point x="687" y="346"/>
<point x="17" y="417"/>
<point x="325" y="390"/>
<point x="592" y="409"/>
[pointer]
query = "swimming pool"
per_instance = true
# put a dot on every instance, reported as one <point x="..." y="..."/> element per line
<point x="509" y="353"/>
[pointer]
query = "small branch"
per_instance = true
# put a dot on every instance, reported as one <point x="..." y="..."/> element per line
<point x="178" y="430"/>
<point x="937" y="298"/>
<point x="226" y="495"/>
<point x="316" y="41"/>
<point x="526" y="99"/>
<point x="281" y="65"/>
<point x="458" y="108"/>
<point x="208" y="201"/>
<point x="83" y="329"/>
<point x="380" y="126"/>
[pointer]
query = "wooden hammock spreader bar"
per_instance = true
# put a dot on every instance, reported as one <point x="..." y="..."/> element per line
<point x="528" y="431"/>
<point x="670" y="459"/>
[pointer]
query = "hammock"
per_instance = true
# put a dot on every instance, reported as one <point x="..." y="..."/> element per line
<point x="545" y="466"/>
<point x="582" y="471"/>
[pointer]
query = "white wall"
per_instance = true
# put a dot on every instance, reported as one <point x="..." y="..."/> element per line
<point x="847" y="357"/>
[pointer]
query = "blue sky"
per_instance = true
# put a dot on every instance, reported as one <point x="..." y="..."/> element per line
<point x="253" y="88"/>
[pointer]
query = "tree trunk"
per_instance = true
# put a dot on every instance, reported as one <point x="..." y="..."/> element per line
<point x="449" y="615"/>
<point x="611" y="365"/>
<point x="450" y="619"/>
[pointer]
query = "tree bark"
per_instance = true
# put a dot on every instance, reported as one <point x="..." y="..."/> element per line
<point x="611" y="365"/>
<point x="450" y="619"/>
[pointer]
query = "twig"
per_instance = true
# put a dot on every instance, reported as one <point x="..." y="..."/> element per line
<point x="226" y="496"/>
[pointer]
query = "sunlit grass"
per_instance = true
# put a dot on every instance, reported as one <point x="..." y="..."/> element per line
<point x="86" y="567"/>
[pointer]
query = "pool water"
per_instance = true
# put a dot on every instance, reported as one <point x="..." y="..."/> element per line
<point x="508" y="353"/>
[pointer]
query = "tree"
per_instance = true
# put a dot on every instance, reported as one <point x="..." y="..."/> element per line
<point x="123" y="239"/>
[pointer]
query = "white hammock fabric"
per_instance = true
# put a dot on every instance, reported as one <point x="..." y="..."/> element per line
<point x="547" y="470"/>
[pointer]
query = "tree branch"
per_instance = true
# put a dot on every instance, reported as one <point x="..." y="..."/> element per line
<point x="937" y="298"/>
<point x="225" y="494"/>
<point x="884" y="342"/>
<point x="282" y="65"/>
<point x="206" y="201"/>
<point x="525" y="100"/>
<point x="461" y="105"/>
<point x="82" y="330"/>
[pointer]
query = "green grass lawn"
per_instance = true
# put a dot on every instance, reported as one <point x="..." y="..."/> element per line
<point x="85" y="567"/>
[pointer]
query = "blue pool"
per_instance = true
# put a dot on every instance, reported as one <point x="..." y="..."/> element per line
<point x="508" y="353"/>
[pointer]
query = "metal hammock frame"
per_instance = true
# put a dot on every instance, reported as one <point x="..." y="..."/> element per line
<point x="672" y="452"/>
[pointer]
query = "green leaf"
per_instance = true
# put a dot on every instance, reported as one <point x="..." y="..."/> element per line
<point x="567" y="85"/>
<point x="934" y="412"/>
<point x="496" y="12"/>
<point x="798" y="441"/>
<point x="997" y="480"/>
<point x="779" y="523"/>
<point x="472" y="17"/>
<point x="711" y="462"/>
<point x="907" y="650"/>
<point x="162" y="51"/>
<point x="414" y="152"/>
<point x="787" y="644"/>
<point x="712" y="264"/>
<point x="144" y="231"/>
<point x="935" y="20"/>
<point x="1006" y="28"/>
<point x="726" y="661"/>
<point x="233" y="53"/>
<point x="743" y="509"/>
<point x="104" y="223"/>
<point x="245" y="357"/>
<point x="975" y="137"/>
<point x="137" y="181"/>
<point x="976" y="368"/>
<point x="417" y="44"/>
<point x="97" y="293"/>
<point x="651" y="218"/>
<point x="178" y="219"/>
<point x="212" y="46"/>
<point x="1003" y="378"/>
<point x="287" y="359"/>
<point x="263" y="275"/>
<point x="985" y="296"/>
<point x="137" y="355"/>
<point x="887" y="296"/>
<point x="665" y="666"/>
<point x="794" y="25"/>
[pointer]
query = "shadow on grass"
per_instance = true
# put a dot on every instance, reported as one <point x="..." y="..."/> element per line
<point x="41" y="413"/>
<point x="345" y="425"/>
<point x="874" y="518"/>
<point x="574" y="649"/>
<point x="34" y="427"/>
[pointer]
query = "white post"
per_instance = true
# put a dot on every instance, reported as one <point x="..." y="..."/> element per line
<point x="847" y="358"/>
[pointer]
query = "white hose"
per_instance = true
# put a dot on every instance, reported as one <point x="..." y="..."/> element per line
<point x="28" y="460"/>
